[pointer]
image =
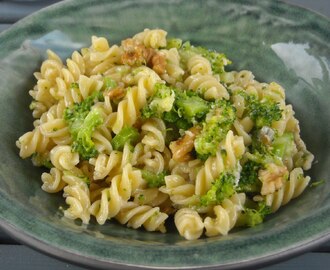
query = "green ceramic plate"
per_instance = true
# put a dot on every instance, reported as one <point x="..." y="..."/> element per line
<point x="277" y="42"/>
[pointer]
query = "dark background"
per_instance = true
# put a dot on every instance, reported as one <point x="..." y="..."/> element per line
<point x="16" y="256"/>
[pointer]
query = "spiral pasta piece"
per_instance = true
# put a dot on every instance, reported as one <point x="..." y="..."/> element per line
<point x="154" y="38"/>
<point x="32" y="142"/>
<point x="150" y="196"/>
<point x="213" y="166"/>
<point x="188" y="169"/>
<point x="136" y="97"/>
<point x="189" y="223"/>
<point x="173" y="71"/>
<point x="208" y="85"/>
<point x="155" y="133"/>
<point x="63" y="158"/>
<point x="291" y="189"/>
<point x="110" y="165"/>
<point x="181" y="193"/>
<point x="52" y="182"/>
<point x="224" y="160"/>
<point x="76" y="194"/>
<point x="198" y="64"/>
<point x="121" y="189"/>
<point x="226" y="215"/>
<point x="44" y="92"/>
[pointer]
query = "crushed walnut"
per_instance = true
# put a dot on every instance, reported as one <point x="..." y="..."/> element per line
<point x="135" y="53"/>
<point x="272" y="178"/>
<point x="158" y="63"/>
<point x="117" y="93"/>
<point x="181" y="149"/>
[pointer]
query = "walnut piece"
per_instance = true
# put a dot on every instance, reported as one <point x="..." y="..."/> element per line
<point x="135" y="53"/>
<point x="182" y="147"/>
<point x="272" y="178"/>
<point x="117" y="93"/>
<point x="158" y="63"/>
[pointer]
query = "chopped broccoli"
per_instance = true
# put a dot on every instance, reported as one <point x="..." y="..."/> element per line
<point x="283" y="146"/>
<point x="162" y="101"/>
<point x="39" y="160"/>
<point x="222" y="188"/>
<point x="109" y="83"/>
<point x="82" y="122"/>
<point x="249" y="181"/>
<point x="154" y="179"/>
<point x="174" y="43"/>
<point x="263" y="112"/>
<point x="277" y="150"/>
<point x="74" y="85"/>
<point x="176" y="106"/>
<point x="191" y="106"/>
<point x="317" y="183"/>
<point x="252" y="217"/>
<point x="126" y="135"/>
<point x="82" y="134"/>
<point x="218" y="60"/>
<point x="217" y="124"/>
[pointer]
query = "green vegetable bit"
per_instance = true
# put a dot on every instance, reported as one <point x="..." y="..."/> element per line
<point x="39" y="160"/>
<point x="160" y="102"/>
<point x="174" y="43"/>
<point x="249" y="181"/>
<point x="263" y="112"/>
<point x="154" y="180"/>
<point x="217" y="124"/>
<point x="82" y="122"/>
<point x="277" y="151"/>
<point x="128" y="135"/>
<point x="222" y="188"/>
<point x="252" y="217"/>
<point x="283" y="146"/>
<point x="109" y="83"/>
<point x="182" y="107"/>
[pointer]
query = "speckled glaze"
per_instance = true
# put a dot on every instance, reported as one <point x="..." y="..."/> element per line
<point x="277" y="42"/>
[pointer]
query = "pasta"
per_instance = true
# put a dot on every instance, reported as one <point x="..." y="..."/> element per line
<point x="154" y="127"/>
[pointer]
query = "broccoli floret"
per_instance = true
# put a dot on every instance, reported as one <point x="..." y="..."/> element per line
<point x="222" y="188"/>
<point x="263" y="112"/>
<point x="284" y="145"/>
<point x="162" y="101"/>
<point x="182" y="107"/>
<point x="82" y="122"/>
<point x="39" y="160"/>
<point x="174" y="43"/>
<point x="126" y="135"/>
<point x="191" y="106"/>
<point x="249" y="181"/>
<point x="82" y="134"/>
<point x="252" y="217"/>
<point x="218" y="60"/>
<point x="217" y="124"/>
<point x="154" y="180"/>
<point x="276" y="150"/>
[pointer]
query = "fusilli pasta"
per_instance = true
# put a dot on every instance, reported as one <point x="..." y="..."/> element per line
<point x="154" y="127"/>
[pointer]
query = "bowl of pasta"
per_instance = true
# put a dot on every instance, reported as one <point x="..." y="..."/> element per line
<point x="145" y="134"/>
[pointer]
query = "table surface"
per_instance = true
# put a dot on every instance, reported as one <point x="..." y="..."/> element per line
<point x="14" y="255"/>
